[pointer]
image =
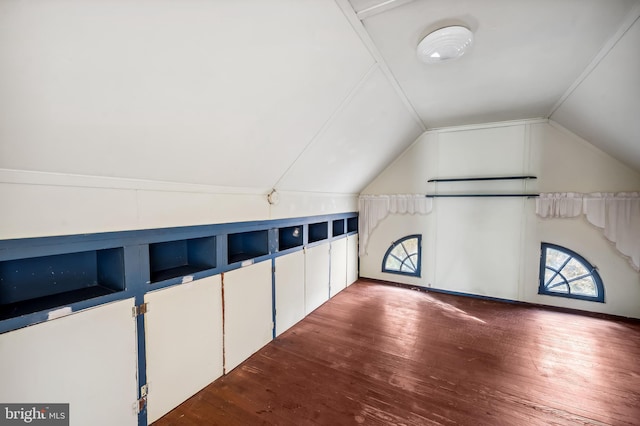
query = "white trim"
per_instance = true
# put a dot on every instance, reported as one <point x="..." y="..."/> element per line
<point x="27" y="177"/>
<point x="361" y="31"/>
<point x="347" y="99"/>
<point x="628" y="22"/>
<point x="380" y="8"/>
<point x="492" y="125"/>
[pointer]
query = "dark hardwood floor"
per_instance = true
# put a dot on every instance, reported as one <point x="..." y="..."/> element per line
<point x="382" y="355"/>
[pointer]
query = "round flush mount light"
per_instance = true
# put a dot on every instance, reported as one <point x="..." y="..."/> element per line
<point x="445" y="44"/>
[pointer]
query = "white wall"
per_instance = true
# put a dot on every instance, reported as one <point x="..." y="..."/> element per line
<point x="43" y="204"/>
<point x="491" y="246"/>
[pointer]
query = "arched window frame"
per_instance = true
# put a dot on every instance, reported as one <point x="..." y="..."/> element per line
<point x="418" y="265"/>
<point x="593" y="272"/>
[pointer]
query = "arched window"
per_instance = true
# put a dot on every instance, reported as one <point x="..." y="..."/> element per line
<point x="403" y="257"/>
<point x="565" y="273"/>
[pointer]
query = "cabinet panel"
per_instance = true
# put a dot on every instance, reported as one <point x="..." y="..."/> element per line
<point x="289" y="290"/>
<point x="338" y="266"/>
<point x="316" y="277"/>
<point x="352" y="259"/>
<point x="87" y="359"/>
<point x="183" y="329"/>
<point x="248" y="322"/>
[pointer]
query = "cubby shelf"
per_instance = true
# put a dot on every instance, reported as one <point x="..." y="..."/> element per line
<point x="290" y="237"/>
<point x="178" y="258"/>
<point x="318" y="231"/>
<point x="337" y="227"/>
<point x="42" y="283"/>
<point x="247" y="245"/>
<point x="352" y="224"/>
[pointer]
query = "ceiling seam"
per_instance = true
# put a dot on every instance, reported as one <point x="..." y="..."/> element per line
<point x="380" y="8"/>
<point x="345" y="101"/>
<point x="629" y="21"/>
<point x="361" y="31"/>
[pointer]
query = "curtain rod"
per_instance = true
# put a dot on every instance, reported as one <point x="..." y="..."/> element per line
<point x="480" y="195"/>
<point x="482" y="178"/>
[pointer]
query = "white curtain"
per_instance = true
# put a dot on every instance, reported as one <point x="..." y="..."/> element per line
<point x="374" y="208"/>
<point x="618" y="215"/>
<point x="566" y="204"/>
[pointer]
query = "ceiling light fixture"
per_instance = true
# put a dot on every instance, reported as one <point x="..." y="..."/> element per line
<point x="445" y="44"/>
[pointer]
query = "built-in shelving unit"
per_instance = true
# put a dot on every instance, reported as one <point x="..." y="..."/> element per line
<point x="77" y="272"/>
<point x="290" y="237"/>
<point x="45" y="282"/>
<point x="318" y="231"/>
<point x="178" y="258"/>
<point x="247" y="245"/>
<point x="484" y="178"/>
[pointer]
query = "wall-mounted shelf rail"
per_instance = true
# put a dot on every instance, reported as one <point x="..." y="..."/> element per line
<point x="480" y="195"/>
<point x="468" y="179"/>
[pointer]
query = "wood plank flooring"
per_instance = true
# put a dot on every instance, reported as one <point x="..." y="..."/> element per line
<point x="383" y="355"/>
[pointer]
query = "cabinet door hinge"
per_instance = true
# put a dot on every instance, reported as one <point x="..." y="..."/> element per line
<point x="142" y="402"/>
<point x="140" y="405"/>
<point x="140" y="309"/>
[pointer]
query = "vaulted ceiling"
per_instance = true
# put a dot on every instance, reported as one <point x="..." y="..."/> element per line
<point x="575" y="61"/>
<point x="300" y="95"/>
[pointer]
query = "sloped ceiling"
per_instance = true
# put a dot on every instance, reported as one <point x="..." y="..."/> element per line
<point x="574" y="60"/>
<point x="604" y="107"/>
<point x="233" y="93"/>
<point x="300" y="95"/>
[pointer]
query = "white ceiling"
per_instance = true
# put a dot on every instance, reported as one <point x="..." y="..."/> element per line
<point x="300" y="95"/>
<point x="527" y="59"/>
<point x="253" y="94"/>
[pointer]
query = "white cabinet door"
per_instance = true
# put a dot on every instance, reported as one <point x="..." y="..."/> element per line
<point x="248" y="322"/>
<point x="88" y="359"/>
<point x="316" y="277"/>
<point x="289" y="290"/>
<point x="352" y="259"/>
<point x="183" y="329"/>
<point x="338" y="266"/>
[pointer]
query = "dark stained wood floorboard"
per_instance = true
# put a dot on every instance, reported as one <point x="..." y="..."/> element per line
<point x="384" y="355"/>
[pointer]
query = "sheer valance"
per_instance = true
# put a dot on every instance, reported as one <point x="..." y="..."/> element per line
<point x="618" y="215"/>
<point x="373" y="208"/>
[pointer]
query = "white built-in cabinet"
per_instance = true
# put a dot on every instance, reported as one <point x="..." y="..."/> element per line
<point x="183" y="329"/>
<point x="290" y="307"/>
<point x="316" y="276"/>
<point x="338" y="266"/>
<point x="352" y="259"/>
<point x="194" y="333"/>
<point x="248" y="314"/>
<point x="87" y="359"/>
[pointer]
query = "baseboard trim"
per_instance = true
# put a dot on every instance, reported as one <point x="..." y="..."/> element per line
<point x="572" y="311"/>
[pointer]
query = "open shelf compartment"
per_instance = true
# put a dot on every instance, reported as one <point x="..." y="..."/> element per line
<point x="338" y="227"/>
<point x="173" y="259"/>
<point x="46" y="282"/>
<point x="318" y="231"/>
<point x="352" y="224"/>
<point x="247" y="245"/>
<point x="290" y="237"/>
